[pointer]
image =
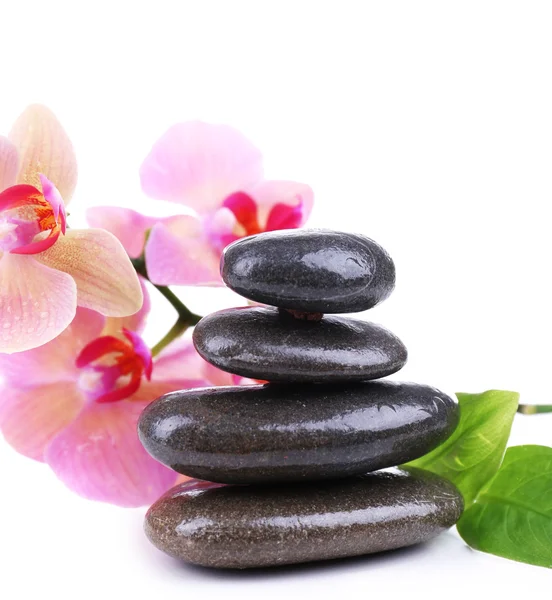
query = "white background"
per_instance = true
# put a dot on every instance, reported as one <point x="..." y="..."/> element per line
<point x="425" y="125"/>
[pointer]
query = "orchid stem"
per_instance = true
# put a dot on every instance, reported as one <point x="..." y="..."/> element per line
<point x="174" y="332"/>
<point x="534" y="409"/>
<point x="186" y="318"/>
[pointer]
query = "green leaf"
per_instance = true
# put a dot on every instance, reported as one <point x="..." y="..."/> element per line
<point x="512" y="515"/>
<point x="472" y="455"/>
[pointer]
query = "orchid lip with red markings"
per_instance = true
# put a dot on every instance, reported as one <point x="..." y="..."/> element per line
<point x="113" y="368"/>
<point x="47" y="270"/>
<point x="247" y="214"/>
<point x="31" y="221"/>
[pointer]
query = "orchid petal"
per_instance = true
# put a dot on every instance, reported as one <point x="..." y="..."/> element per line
<point x="151" y="390"/>
<point x="20" y="195"/>
<point x="9" y="163"/>
<point x="55" y="361"/>
<point x="179" y="253"/>
<point x="217" y="377"/>
<point x="141" y="350"/>
<point x="31" y="417"/>
<point x="100" y="457"/>
<point x="182" y="479"/>
<point x="245" y="210"/>
<point x="128" y="226"/>
<point x="270" y="194"/>
<point x="44" y="147"/>
<point x="123" y="392"/>
<point x="53" y="197"/>
<point x="24" y="195"/>
<point x="181" y="360"/>
<point x="36" y="303"/>
<point x="199" y="164"/>
<point x="135" y="322"/>
<point x="98" y="348"/>
<point x="284" y="216"/>
<point x="222" y="222"/>
<point x="105" y="278"/>
<point x="220" y="228"/>
<point x="37" y="247"/>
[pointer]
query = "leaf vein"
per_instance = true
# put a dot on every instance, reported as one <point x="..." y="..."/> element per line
<point x="488" y="498"/>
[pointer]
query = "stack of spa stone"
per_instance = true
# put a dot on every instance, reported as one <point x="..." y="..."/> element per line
<point x="303" y="447"/>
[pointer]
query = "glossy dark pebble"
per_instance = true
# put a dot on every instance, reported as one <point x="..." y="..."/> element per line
<point x="263" y="343"/>
<point x="240" y="527"/>
<point x="273" y="433"/>
<point x="314" y="270"/>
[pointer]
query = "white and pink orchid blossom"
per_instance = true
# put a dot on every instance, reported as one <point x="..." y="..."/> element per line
<point x="74" y="404"/>
<point x="217" y="172"/>
<point x="47" y="270"/>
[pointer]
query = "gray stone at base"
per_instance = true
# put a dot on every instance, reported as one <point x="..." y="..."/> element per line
<point x="242" y="527"/>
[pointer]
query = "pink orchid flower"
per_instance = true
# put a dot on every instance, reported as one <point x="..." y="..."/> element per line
<point x="47" y="270"/>
<point x="74" y="404"/>
<point x="218" y="172"/>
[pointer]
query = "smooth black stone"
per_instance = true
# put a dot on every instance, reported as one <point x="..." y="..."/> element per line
<point x="263" y="343"/>
<point x="273" y="433"/>
<point x="312" y="270"/>
<point x="241" y="527"/>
